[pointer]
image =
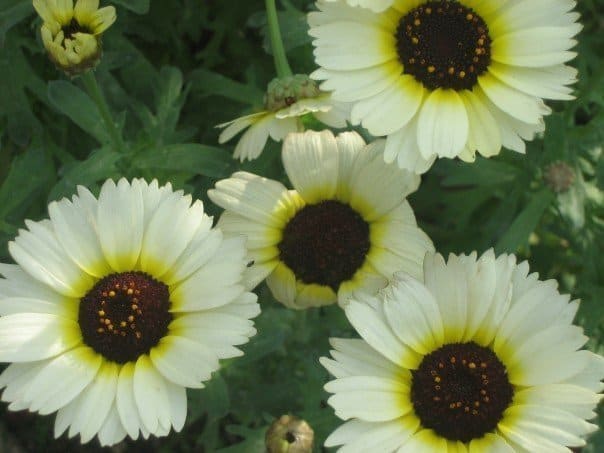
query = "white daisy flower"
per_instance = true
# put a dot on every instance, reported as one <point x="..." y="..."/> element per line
<point x="447" y="78"/>
<point x="115" y="306"/>
<point x="286" y="101"/>
<point x="345" y="227"/>
<point x="481" y="357"/>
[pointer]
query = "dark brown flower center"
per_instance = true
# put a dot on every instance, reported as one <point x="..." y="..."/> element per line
<point x="461" y="391"/>
<point x="325" y="243"/>
<point x="74" y="27"/>
<point x="124" y="315"/>
<point x="444" y="44"/>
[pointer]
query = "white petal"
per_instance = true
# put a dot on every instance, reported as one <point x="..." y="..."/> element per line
<point x="76" y="229"/>
<point x="125" y="402"/>
<point x="62" y="379"/>
<point x="151" y="395"/>
<point x="25" y="337"/>
<point x="311" y="163"/>
<point x="120" y="223"/>
<point x="442" y="126"/>
<point x="183" y="361"/>
<point x="112" y="430"/>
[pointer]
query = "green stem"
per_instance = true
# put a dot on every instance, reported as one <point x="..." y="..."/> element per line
<point x="94" y="91"/>
<point x="281" y="64"/>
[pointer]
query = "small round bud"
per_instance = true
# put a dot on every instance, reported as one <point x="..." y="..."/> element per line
<point x="284" y="92"/>
<point x="289" y="434"/>
<point x="559" y="176"/>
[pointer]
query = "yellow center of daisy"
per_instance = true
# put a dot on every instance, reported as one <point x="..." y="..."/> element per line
<point x="461" y="391"/>
<point x="325" y="243"/>
<point x="124" y="315"/>
<point x="444" y="44"/>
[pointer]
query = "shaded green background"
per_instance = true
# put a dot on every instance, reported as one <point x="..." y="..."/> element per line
<point x="174" y="69"/>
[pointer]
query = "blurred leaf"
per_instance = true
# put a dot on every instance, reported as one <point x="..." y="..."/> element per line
<point x="15" y="76"/>
<point x="482" y="172"/>
<point x="212" y="400"/>
<point x="11" y="13"/>
<point x="29" y="174"/>
<point x="77" y="105"/>
<point x="137" y="6"/>
<point x="188" y="157"/>
<point x="253" y="440"/>
<point x="525" y="223"/>
<point x="99" y="166"/>
<point x="214" y="84"/>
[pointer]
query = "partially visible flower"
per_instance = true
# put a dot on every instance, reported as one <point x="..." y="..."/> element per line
<point x="559" y="176"/>
<point x="72" y="35"/>
<point x="445" y="78"/>
<point x="289" y="434"/>
<point x="481" y="357"/>
<point x="346" y="227"/>
<point x="376" y="5"/>
<point x="116" y="306"/>
<point x="285" y="102"/>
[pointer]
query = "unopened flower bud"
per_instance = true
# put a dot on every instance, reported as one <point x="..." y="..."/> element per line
<point x="72" y="34"/>
<point x="284" y="92"/>
<point x="289" y="434"/>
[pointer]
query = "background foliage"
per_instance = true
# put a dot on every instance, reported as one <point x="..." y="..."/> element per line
<point x="174" y="69"/>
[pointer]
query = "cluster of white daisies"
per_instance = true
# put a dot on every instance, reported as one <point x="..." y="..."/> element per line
<point x="118" y="303"/>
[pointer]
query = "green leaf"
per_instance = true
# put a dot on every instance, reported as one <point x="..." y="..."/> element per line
<point x="77" y="105"/>
<point x="212" y="400"/>
<point x="137" y="6"/>
<point x="525" y="223"/>
<point x="99" y="166"/>
<point x="211" y="83"/>
<point x="29" y="174"/>
<point x="482" y="172"/>
<point x="11" y="15"/>
<point x="188" y="157"/>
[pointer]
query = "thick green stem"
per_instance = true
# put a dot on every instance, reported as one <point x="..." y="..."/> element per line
<point x="281" y="64"/>
<point x="94" y="91"/>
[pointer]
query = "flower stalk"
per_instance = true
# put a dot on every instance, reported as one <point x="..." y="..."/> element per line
<point x="94" y="91"/>
<point x="281" y="64"/>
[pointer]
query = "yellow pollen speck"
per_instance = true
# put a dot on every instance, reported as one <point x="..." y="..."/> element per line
<point x="138" y="334"/>
<point x="469" y="16"/>
<point x="134" y="306"/>
<point x="101" y="313"/>
<point x="451" y="70"/>
<point x="462" y="74"/>
<point x="130" y="291"/>
<point x="123" y="334"/>
<point x="441" y="365"/>
<point x="483" y="392"/>
<point x="110" y="326"/>
<point x="476" y="403"/>
<point x="111" y="293"/>
<point x="458" y="404"/>
<point x="474" y="412"/>
<point x="437" y="379"/>
<point x="107" y="321"/>
<point x="131" y="318"/>
<point x="486" y="399"/>
<point x="428" y="10"/>
<point x="431" y="69"/>
<point x="452" y="406"/>
<point x="453" y="360"/>
<point x="414" y="40"/>
<point x="123" y="324"/>
<point x="416" y="22"/>
<point x="483" y="365"/>
<point x="466" y="409"/>
<point x="100" y="330"/>
<point x="472" y="365"/>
